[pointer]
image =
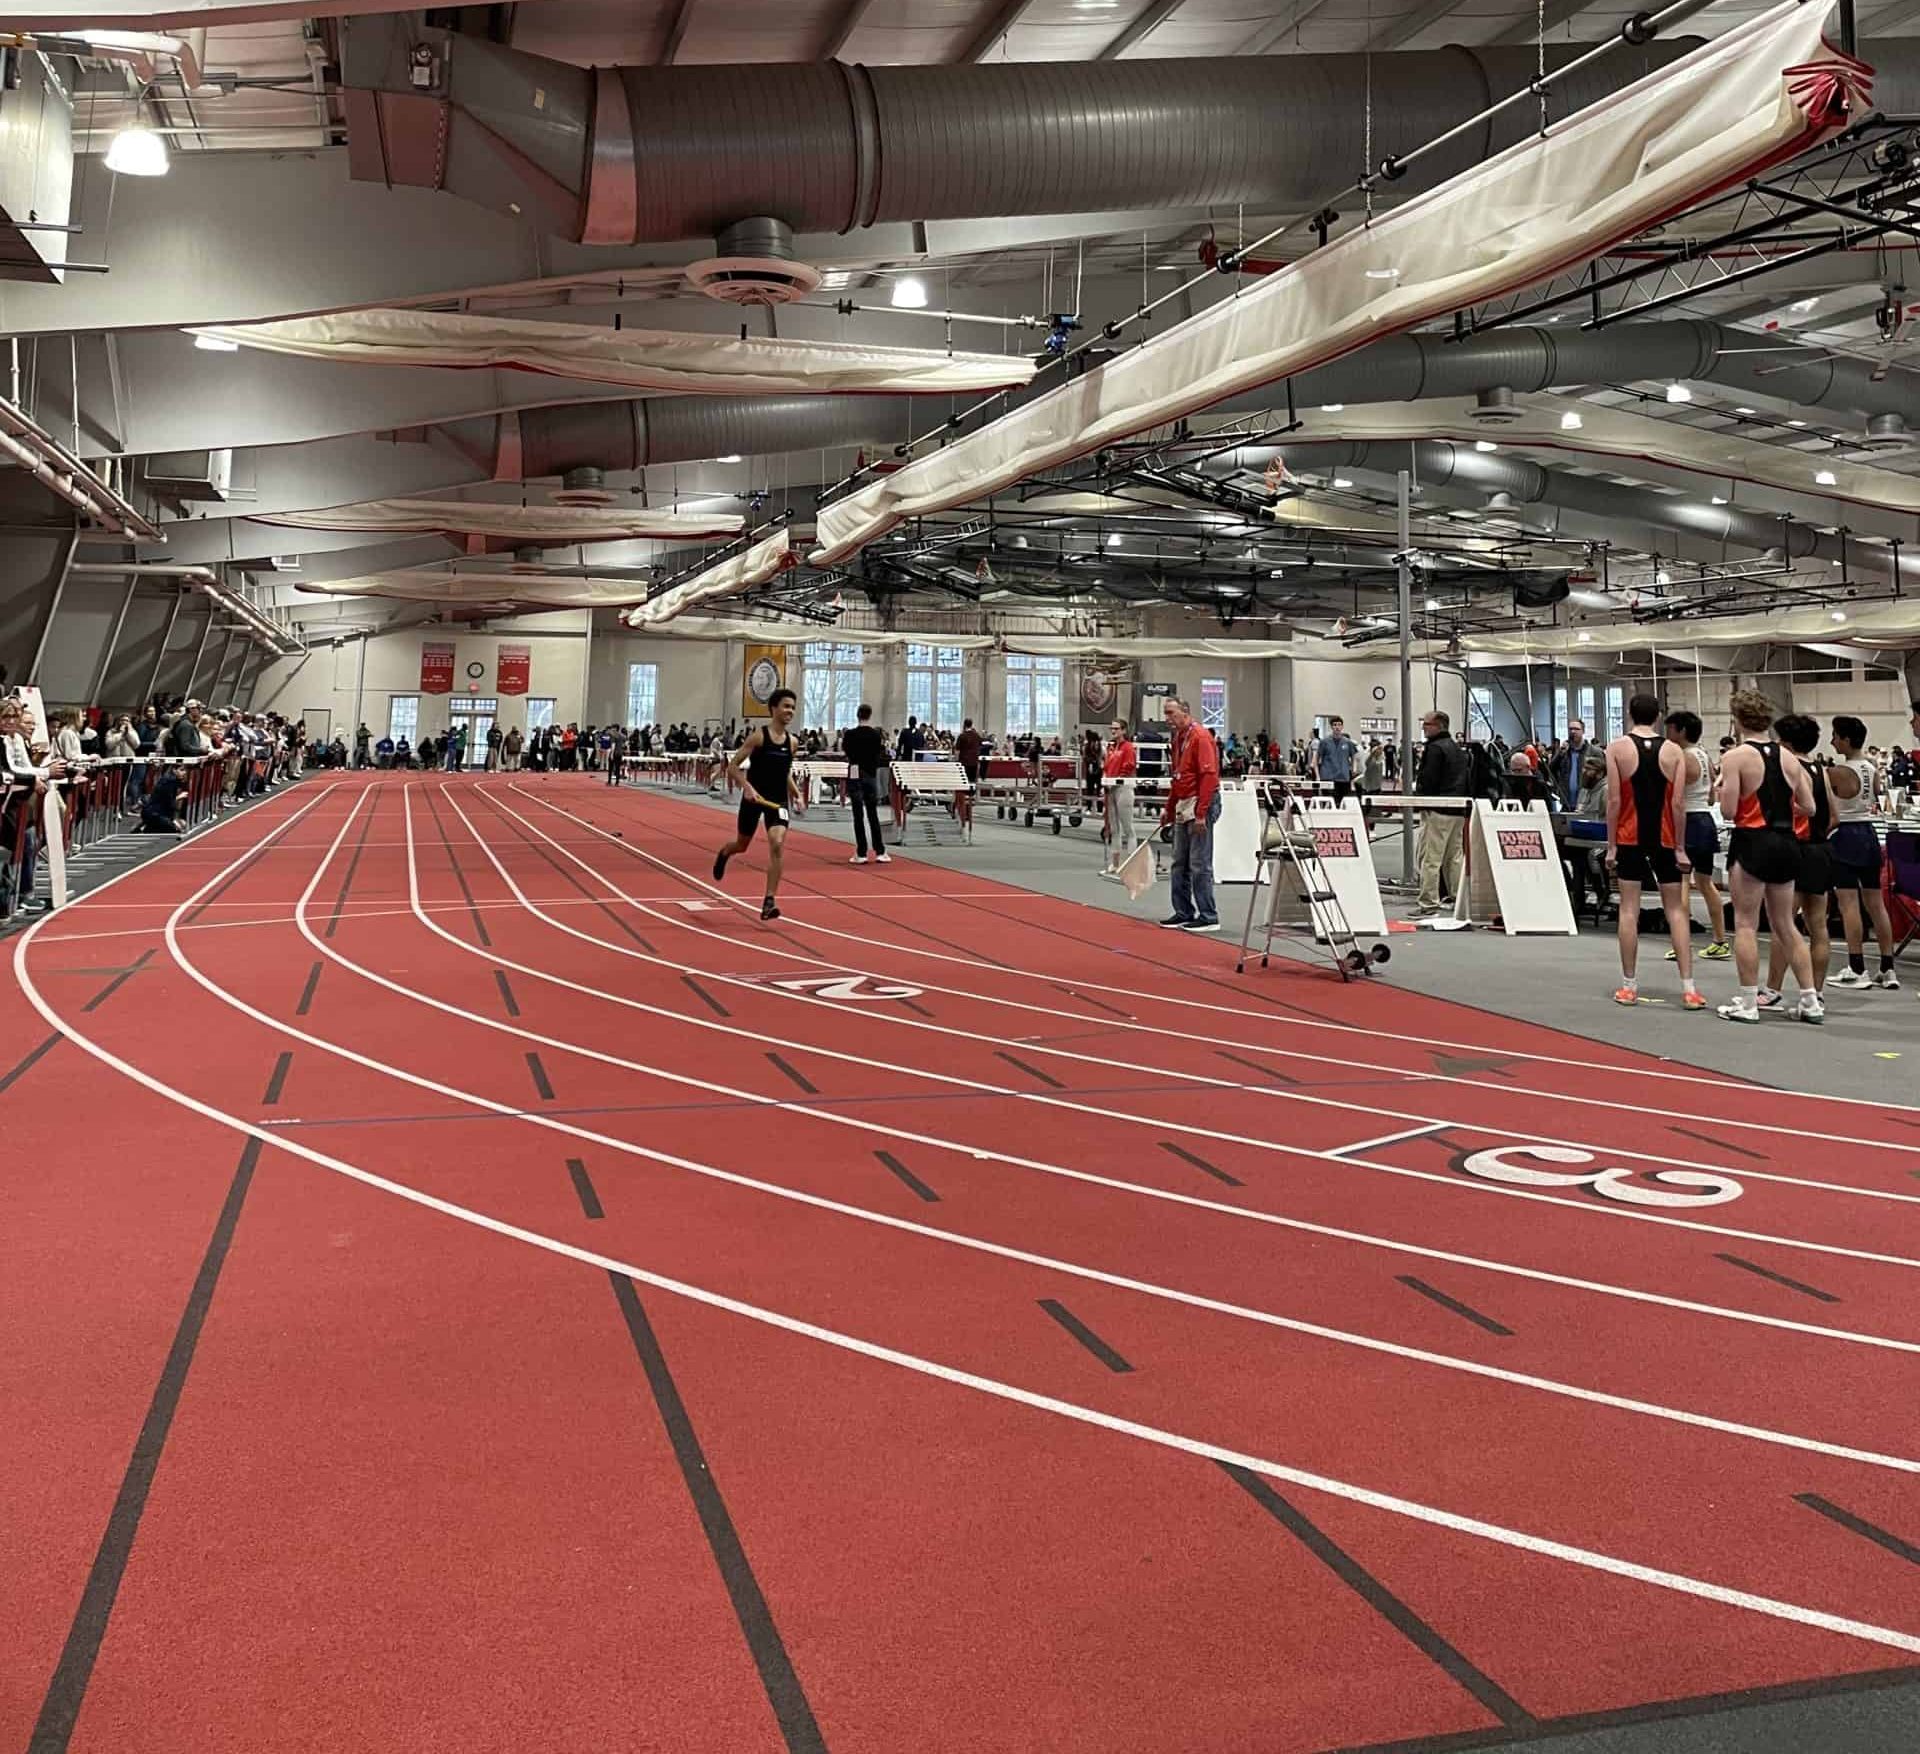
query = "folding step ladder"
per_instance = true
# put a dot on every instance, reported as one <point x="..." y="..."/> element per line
<point x="1287" y="846"/>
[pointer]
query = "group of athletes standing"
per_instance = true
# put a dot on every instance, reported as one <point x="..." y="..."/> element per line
<point x="1802" y="831"/>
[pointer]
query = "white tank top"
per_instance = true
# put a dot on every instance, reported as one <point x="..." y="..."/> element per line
<point x="1859" y="807"/>
<point x="1698" y="795"/>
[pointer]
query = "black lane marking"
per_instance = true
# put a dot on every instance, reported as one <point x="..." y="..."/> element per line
<point x="788" y="1698"/>
<point x="353" y="865"/>
<point x="1382" y="1600"/>
<point x="278" y="1082"/>
<point x="67" y="1691"/>
<point x="539" y="1077"/>
<point x="306" y="992"/>
<point x="1798" y="1285"/>
<point x="459" y="876"/>
<point x="798" y="1078"/>
<point x="1086" y="1336"/>
<point x="701" y="993"/>
<point x="1454" y="1304"/>
<point x="1860" y="1526"/>
<point x="25" y="1066"/>
<point x="583" y="1186"/>
<point x="1255" y="1066"/>
<point x="911" y="1005"/>
<point x="1200" y="1163"/>
<point x="1717" y="1144"/>
<point x="1031" y="1071"/>
<point x="1097" y="1004"/>
<point x="506" y="993"/>
<point x="119" y="980"/>
<point x="906" y="1175"/>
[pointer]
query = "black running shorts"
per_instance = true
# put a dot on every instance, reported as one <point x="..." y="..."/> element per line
<point x="1647" y="865"/>
<point x="1703" y="841"/>
<point x="1816" y="869"/>
<point x="1767" y="855"/>
<point x="752" y="815"/>
<point x="1857" y="857"/>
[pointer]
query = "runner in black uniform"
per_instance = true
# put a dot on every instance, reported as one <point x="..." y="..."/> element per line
<point x="1761" y="785"/>
<point x="1813" y="881"/>
<point x="763" y="767"/>
<point x="1646" y="831"/>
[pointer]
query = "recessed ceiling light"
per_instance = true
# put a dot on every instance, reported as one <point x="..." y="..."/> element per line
<point x="834" y="279"/>
<point x="1796" y="423"/>
<point x="1554" y="318"/>
<point x="1113" y="541"/>
<point x="1824" y="479"/>
<point x="1333" y="407"/>
<point x="1746" y="411"/>
<point x="1341" y="481"/>
<point x="1571" y="422"/>
<point x="1679" y="393"/>
<point x="1485" y="445"/>
<point x="1839" y="615"/>
<point x="1583" y="636"/>
<point x="1719" y="499"/>
<point x="215" y="344"/>
<point x="1663" y="577"/>
<point x="1433" y="602"/>
<point x="137" y="152"/>
<point x="733" y="457"/>
<point x="1803" y="304"/>
<point x="909" y="294"/>
<point x="1383" y="273"/>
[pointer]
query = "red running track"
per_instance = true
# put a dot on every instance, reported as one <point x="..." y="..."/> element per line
<point x="465" y="1299"/>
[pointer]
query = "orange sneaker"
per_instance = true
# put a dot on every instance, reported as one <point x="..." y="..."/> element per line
<point x="1625" y="996"/>
<point x="1692" y="1002"/>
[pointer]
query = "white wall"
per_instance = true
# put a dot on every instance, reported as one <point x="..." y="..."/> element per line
<point x="1367" y="688"/>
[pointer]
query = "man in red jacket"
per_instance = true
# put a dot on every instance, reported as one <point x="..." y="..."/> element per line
<point x="1193" y="807"/>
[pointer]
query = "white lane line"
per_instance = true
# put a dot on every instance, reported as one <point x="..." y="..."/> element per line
<point x="1716" y="1082"/>
<point x="1246" y="1214"/>
<point x="957" y="1239"/>
<point x="975" y="1038"/>
<point x="1517" y="1539"/>
<point x="1388" y="1139"/>
<point x="1315" y="1059"/>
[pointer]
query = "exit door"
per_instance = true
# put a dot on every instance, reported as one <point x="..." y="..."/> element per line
<point x="473" y="713"/>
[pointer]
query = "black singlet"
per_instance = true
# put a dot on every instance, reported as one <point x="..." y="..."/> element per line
<point x="769" y="766"/>
<point x="1646" y="809"/>
<point x="1770" y="804"/>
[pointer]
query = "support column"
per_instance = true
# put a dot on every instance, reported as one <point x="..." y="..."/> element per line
<point x="1403" y="568"/>
<point x="220" y="669"/>
<point x="113" y="641"/>
<point x="166" y="638"/>
<point x="53" y="604"/>
<point x="200" y="651"/>
<point x="359" y="692"/>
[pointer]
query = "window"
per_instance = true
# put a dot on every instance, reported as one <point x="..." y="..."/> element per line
<point x="1213" y="704"/>
<point x="1586" y="710"/>
<point x="403" y="716"/>
<point x="934" y="683"/>
<point x="1559" y="725"/>
<point x="1616" y="711"/>
<point x="1480" y="712"/>
<point x="539" y="711"/>
<point x="1033" y="695"/>
<point x="643" y="689"/>
<point x="832" y="682"/>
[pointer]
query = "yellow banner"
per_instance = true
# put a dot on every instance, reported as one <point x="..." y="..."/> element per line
<point x="763" y="670"/>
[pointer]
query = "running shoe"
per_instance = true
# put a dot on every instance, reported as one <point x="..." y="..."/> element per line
<point x="719" y="866"/>
<point x="1202" y="925"/>
<point x="1718" y="951"/>
<point x="858" y="859"/>
<point x="1809" y="1010"/>
<point x="1740" y="1011"/>
<point x="1626" y="996"/>
<point x="1888" y="979"/>
<point x="768" y="911"/>
<point x="1692" y="1002"/>
<point x="1767" y="999"/>
<point x="1178" y="922"/>
<point x="1848" y="977"/>
<point x="883" y="858"/>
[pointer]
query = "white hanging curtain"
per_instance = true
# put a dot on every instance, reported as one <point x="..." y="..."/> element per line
<point x="639" y="359"/>
<point x="1887" y="625"/>
<point x="522" y="523"/>
<point x="531" y="590"/>
<point x="725" y="578"/>
<point x="1619" y="432"/>
<point x="1765" y="91"/>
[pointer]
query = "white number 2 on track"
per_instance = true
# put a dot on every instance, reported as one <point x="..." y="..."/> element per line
<point x="1612" y="1184"/>
<point x="845" y="986"/>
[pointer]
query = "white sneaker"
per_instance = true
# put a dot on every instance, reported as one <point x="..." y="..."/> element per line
<point x="1847" y="978"/>
<point x="883" y="858"/>
<point x="1737" y="1010"/>
<point x="858" y="859"/>
<point x="1809" y="1010"/>
<point x="1767" y="999"/>
<point x="1888" y="979"/>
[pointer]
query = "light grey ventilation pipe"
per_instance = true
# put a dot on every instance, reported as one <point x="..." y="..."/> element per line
<point x="636" y="154"/>
<point x="1443" y="464"/>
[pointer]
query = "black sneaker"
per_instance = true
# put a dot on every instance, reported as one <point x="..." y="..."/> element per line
<point x="1202" y="925"/>
<point x="768" y="911"/>
<point x="1179" y="922"/>
<point x="719" y="866"/>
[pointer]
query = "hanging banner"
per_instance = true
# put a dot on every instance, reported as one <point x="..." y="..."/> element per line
<point x="763" y="669"/>
<point x="511" y="665"/>
<point x="436" y="666"/>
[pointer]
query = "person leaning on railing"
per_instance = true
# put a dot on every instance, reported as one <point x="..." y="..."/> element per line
<point x="19" y="769"/>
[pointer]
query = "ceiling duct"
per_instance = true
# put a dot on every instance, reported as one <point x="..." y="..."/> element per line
<point x="659" y="153"/>
<point x="584" y="485"/>
<point x="1495" y="406"/>
<point x="1887" y="436"/>
<point x="754" y="264"/>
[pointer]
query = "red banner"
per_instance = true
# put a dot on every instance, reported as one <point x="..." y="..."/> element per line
<point x="436" y="667"/>
<point x="512" y="664"/>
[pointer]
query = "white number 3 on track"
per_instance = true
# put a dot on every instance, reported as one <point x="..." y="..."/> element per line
<point x="1612" y="1184"/>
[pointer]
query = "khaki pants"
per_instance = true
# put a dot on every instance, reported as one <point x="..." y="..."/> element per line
<point x="1440" y="853"/>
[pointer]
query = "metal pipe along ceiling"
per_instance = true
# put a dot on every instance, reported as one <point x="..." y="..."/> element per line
<point x="1402" y="368"/>
<point x="638" y="154"/>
